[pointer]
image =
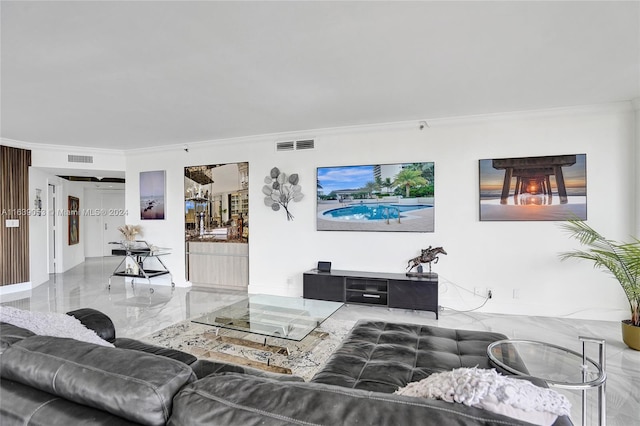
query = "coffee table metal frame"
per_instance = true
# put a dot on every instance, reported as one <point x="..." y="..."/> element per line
<point x="599" y="382"/>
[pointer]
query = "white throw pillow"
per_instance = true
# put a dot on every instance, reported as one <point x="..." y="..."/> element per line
<point x="488" y="389"/>
<point x="542" y="418"/>
<point x="50" y="324"/>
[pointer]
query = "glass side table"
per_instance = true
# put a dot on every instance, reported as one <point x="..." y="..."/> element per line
<point x="558" y="366"/>
<point x="136" y="253"/>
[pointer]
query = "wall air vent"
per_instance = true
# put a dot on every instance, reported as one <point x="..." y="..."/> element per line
<point x="305" y="144"/>
<point x="295" y="145"/>
<point x="80" y="158"/>
<point x="285" y="146"/>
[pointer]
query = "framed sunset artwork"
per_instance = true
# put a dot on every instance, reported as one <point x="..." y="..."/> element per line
<point x="552" y="187"/>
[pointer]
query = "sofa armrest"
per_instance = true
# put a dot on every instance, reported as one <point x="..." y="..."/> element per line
<point x="136" y="386"/>
<point x="96" y="321"/>
<point x="25" y="405"/>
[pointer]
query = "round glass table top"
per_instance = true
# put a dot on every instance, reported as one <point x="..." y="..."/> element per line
<point x="554" y="364"/>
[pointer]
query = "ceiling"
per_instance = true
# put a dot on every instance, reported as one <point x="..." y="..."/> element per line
<point x="140" y="74"/>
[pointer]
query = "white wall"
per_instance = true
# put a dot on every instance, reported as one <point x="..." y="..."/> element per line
<point x="38" y="239"/>
<point x="53" y="156"/>
<point x="501" y="255"/>
<point x="636" y="105"/>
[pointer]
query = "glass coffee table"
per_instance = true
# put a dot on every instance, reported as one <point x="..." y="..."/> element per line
<point x="291" y="318"/>
<point x="557" y="366"/>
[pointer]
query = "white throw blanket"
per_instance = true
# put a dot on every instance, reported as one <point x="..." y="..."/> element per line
<point x="483" y="388"/>
<point x="50" y="324"/>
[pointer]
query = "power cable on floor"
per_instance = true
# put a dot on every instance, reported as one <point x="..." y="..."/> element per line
<point x="489" y="296"/>
<point x="468" y="310"/>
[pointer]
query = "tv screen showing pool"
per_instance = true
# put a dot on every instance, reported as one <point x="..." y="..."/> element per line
<point x="379" y="197"/>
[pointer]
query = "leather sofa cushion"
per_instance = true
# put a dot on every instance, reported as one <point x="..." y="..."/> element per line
<point x="9" y="334"/>
<point x="233" y="399"/>
<point x="381" y="356"/>
<point x="137" y="345"/>
<point x="23" y="405"/>
<point x="130" y="384"/>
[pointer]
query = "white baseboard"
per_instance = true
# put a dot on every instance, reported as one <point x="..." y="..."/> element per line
<point x="12" y="292"/>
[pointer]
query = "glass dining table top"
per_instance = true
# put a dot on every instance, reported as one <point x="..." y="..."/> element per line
<point x="554" y="364"/>
<point x="291" y="318"/>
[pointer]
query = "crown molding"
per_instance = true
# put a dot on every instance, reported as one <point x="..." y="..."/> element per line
<point x="282" y="136"/>
<point x="66" y="148"/>
<point x="620" y="106"/>
<point x="405" y="125"/>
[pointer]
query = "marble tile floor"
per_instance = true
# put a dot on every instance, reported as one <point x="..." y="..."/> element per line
<point x="138" y="312"/>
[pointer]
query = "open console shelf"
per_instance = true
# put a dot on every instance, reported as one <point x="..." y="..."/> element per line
<point x="373" y="288"/>
<point x="366" y="290"/>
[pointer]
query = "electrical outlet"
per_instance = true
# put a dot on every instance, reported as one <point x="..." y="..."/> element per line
<point x="483" y="292"/>
<point x="516" y="293"/>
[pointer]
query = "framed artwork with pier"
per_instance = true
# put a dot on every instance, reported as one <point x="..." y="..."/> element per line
<point x="552" y="187"/>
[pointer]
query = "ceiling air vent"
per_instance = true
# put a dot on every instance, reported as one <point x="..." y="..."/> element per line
<point x="295" y="145"/>
<point x="80" y="158"/>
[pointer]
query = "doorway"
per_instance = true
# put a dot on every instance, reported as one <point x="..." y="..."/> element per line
<point x="106" y="213"/>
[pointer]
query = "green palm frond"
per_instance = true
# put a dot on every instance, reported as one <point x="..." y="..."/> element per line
<point x="622" y="260"/>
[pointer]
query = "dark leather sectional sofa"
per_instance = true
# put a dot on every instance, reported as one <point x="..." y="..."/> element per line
<point x="57" y="381"/>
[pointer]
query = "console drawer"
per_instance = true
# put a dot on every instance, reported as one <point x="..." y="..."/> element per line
<point x="368" y="297"/>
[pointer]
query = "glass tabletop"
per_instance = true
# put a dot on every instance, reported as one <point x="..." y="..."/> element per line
<point x="139" y="248"/>
<point x="554" y="364"/>
<point x="291" y="318"/>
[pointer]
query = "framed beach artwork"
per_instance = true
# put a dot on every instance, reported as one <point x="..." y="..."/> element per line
<point x="552" y="187"/>
<point x="376" y="197"/>
<point x="74" y="220"/>
<point x="152" y="193"/>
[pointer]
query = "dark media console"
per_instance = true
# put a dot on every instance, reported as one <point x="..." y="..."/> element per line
<point x="373" y="288"/>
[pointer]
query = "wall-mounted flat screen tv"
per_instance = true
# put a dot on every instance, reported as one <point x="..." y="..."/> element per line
<point x="378" y="197"/>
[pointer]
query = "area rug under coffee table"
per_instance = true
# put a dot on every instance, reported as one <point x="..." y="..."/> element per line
<point x="301" y="358"/>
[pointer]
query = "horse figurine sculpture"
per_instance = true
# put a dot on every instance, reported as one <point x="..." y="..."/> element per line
<point x="428" y="255"/>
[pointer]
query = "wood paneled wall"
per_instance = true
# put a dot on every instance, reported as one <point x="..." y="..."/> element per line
<point x="14" y="205"/>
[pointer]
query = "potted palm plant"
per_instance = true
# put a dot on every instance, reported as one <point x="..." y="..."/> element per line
<point x="620" y="259"/>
